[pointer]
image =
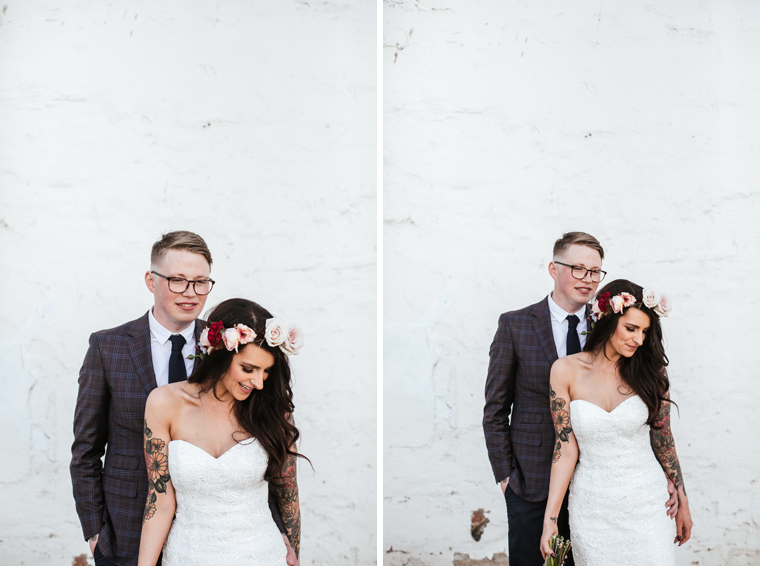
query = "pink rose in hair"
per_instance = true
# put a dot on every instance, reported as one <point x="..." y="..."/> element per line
<point x="664" y="306"/>
<point x="293" y="340"/>
<point x="617" y="303"/>
<point x="231" y="339"/>
<point x="595" y="310"/>
<point x="275" y="332"/>
<point x="246" y="334"/>
<point x="203" y="341"/>
<point x="628" y="299"/>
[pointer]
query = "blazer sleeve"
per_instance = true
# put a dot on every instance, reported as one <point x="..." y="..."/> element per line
<point x="275" y="510"/>
<point x="90" y="437"/>
<point x="500" y="390"/>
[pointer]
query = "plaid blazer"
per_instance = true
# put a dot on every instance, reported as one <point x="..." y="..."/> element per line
<point x="520" y="445"/>
<point x="114" y="383"/>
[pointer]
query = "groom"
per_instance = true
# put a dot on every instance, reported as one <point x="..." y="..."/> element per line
<point x="122" y="366"/>
<point x="516" y="419"/>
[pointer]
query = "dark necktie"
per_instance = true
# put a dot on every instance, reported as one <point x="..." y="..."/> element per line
<point x="573" y="341"/>
<point x="177" y="371"/>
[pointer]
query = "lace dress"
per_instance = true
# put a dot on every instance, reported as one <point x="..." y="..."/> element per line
<point x="618" y="490"/>
<point x="222" y="515"/>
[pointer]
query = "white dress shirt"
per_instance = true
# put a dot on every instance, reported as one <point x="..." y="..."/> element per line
<point x="161" y="348"/>
<point x="559" y="326"/>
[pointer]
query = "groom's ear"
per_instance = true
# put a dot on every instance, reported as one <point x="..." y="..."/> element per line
<point x="552" y="270"/>
<point x="149" y="282"/>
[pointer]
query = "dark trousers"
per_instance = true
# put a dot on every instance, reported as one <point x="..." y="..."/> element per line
<point x="101" y="560"/>
<point x="526" y="524"/>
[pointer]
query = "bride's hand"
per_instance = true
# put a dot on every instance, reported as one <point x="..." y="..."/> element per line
<point x="291" y="558"/>
<point x="549" y="530"/>
<point x="672" y="503"/>
<point x="683" y="521"/>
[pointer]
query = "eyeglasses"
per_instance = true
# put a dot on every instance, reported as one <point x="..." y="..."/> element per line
<point x="580" y="272"/>
<point x="179" y="285"/>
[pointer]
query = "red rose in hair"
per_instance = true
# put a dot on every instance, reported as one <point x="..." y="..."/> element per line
<point x="604" y="301"/>
<point x="215" y="332"/>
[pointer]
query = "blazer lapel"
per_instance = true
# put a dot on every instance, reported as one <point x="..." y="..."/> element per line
<point x="139" y="349"/>
<point x="543" y="327"/>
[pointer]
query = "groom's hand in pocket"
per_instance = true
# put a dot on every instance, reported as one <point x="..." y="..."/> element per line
<point x="93" y="542"/>
<point x="672" y="503"/>
<point x="503" y="484"/>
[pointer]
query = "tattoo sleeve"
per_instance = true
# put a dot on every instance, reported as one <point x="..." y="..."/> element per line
<point x="286" y="493"/>
<point x="157" y="462"/>
<point x="664" y="446"/>
<point x="561" y="419"/>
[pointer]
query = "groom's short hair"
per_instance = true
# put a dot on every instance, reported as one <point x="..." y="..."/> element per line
<point x="578" y="239"/>
<point x="179" y="240"/>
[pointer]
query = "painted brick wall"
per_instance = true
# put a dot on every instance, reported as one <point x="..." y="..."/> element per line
<point x="251" y="123"/>
<point x="510" y="122"/>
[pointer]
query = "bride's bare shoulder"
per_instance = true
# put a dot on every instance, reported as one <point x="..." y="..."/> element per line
<point x="565" y="371"/>
<point x="174" y="395"/>
<point x="572" y="364"/>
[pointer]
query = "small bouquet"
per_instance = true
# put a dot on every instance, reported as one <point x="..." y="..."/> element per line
<point x="560" y="547"/>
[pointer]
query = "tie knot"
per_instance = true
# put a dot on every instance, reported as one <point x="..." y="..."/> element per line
<point x="177" y="342"/>
<point x="572" y="320"/>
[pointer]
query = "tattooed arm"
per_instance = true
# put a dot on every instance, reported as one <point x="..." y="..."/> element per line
<point x="664" y="448"/>
<point x="286" y="493"/>
<point x="565" y="447"/>
<point x="160" y="505"/>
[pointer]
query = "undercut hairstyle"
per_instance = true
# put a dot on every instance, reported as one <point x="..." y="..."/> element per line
<point x="266" y="414"/>
<point x="179" y="240"/>
<point x="579" y="239"/>
<point x="644" y="372"/>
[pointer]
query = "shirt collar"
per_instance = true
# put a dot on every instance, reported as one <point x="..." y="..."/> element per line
<point x="162" y="334"/>
<point x="561" y="314"/>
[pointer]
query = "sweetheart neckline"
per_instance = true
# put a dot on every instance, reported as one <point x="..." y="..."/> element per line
<point x="210" y="455"/>
<point x="603" y="409"/>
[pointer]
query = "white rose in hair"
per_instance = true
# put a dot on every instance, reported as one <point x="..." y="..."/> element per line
<point x="293" y="340"/>
<point x="650" y="298"/>
<point x="617" y="303"/>
<point x="275" y="332"/>
<point x="664" y="306"/>
<point x="231" y="339"/>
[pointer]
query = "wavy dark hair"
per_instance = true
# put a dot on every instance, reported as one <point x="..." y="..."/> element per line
<point x="644" y="372"/>
<point x="266" y="413"/>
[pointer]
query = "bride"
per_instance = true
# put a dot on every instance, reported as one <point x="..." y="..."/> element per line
<point x="214" y="442"/>
<point x="617" y="393"/>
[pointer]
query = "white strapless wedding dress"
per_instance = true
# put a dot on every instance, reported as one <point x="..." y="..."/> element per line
<point x="222" y="515"/>
<point x="618" y="491"/>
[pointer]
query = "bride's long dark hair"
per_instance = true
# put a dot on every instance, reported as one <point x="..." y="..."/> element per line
<point x="267" y="413"/>
<point x="644" y="372"/>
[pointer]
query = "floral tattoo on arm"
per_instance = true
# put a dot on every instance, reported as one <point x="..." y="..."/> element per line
<point x="286" y="492"/>
<point x="158" y="470"/>
<point x="664" y="446"/>
<point x="561" y="420"/>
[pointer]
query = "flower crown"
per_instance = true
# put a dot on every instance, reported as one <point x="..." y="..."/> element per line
<point x="605" y="304"/>
<point x="276" y="333"/>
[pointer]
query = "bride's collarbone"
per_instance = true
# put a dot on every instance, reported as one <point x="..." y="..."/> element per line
<point x="209" y="426"/>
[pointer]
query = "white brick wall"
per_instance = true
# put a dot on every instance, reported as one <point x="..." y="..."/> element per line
<point x="251" y="123"/>
<point x="510" y="122"/>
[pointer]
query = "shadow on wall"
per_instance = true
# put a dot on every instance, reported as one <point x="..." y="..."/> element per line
<point x="499" y="559"/>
